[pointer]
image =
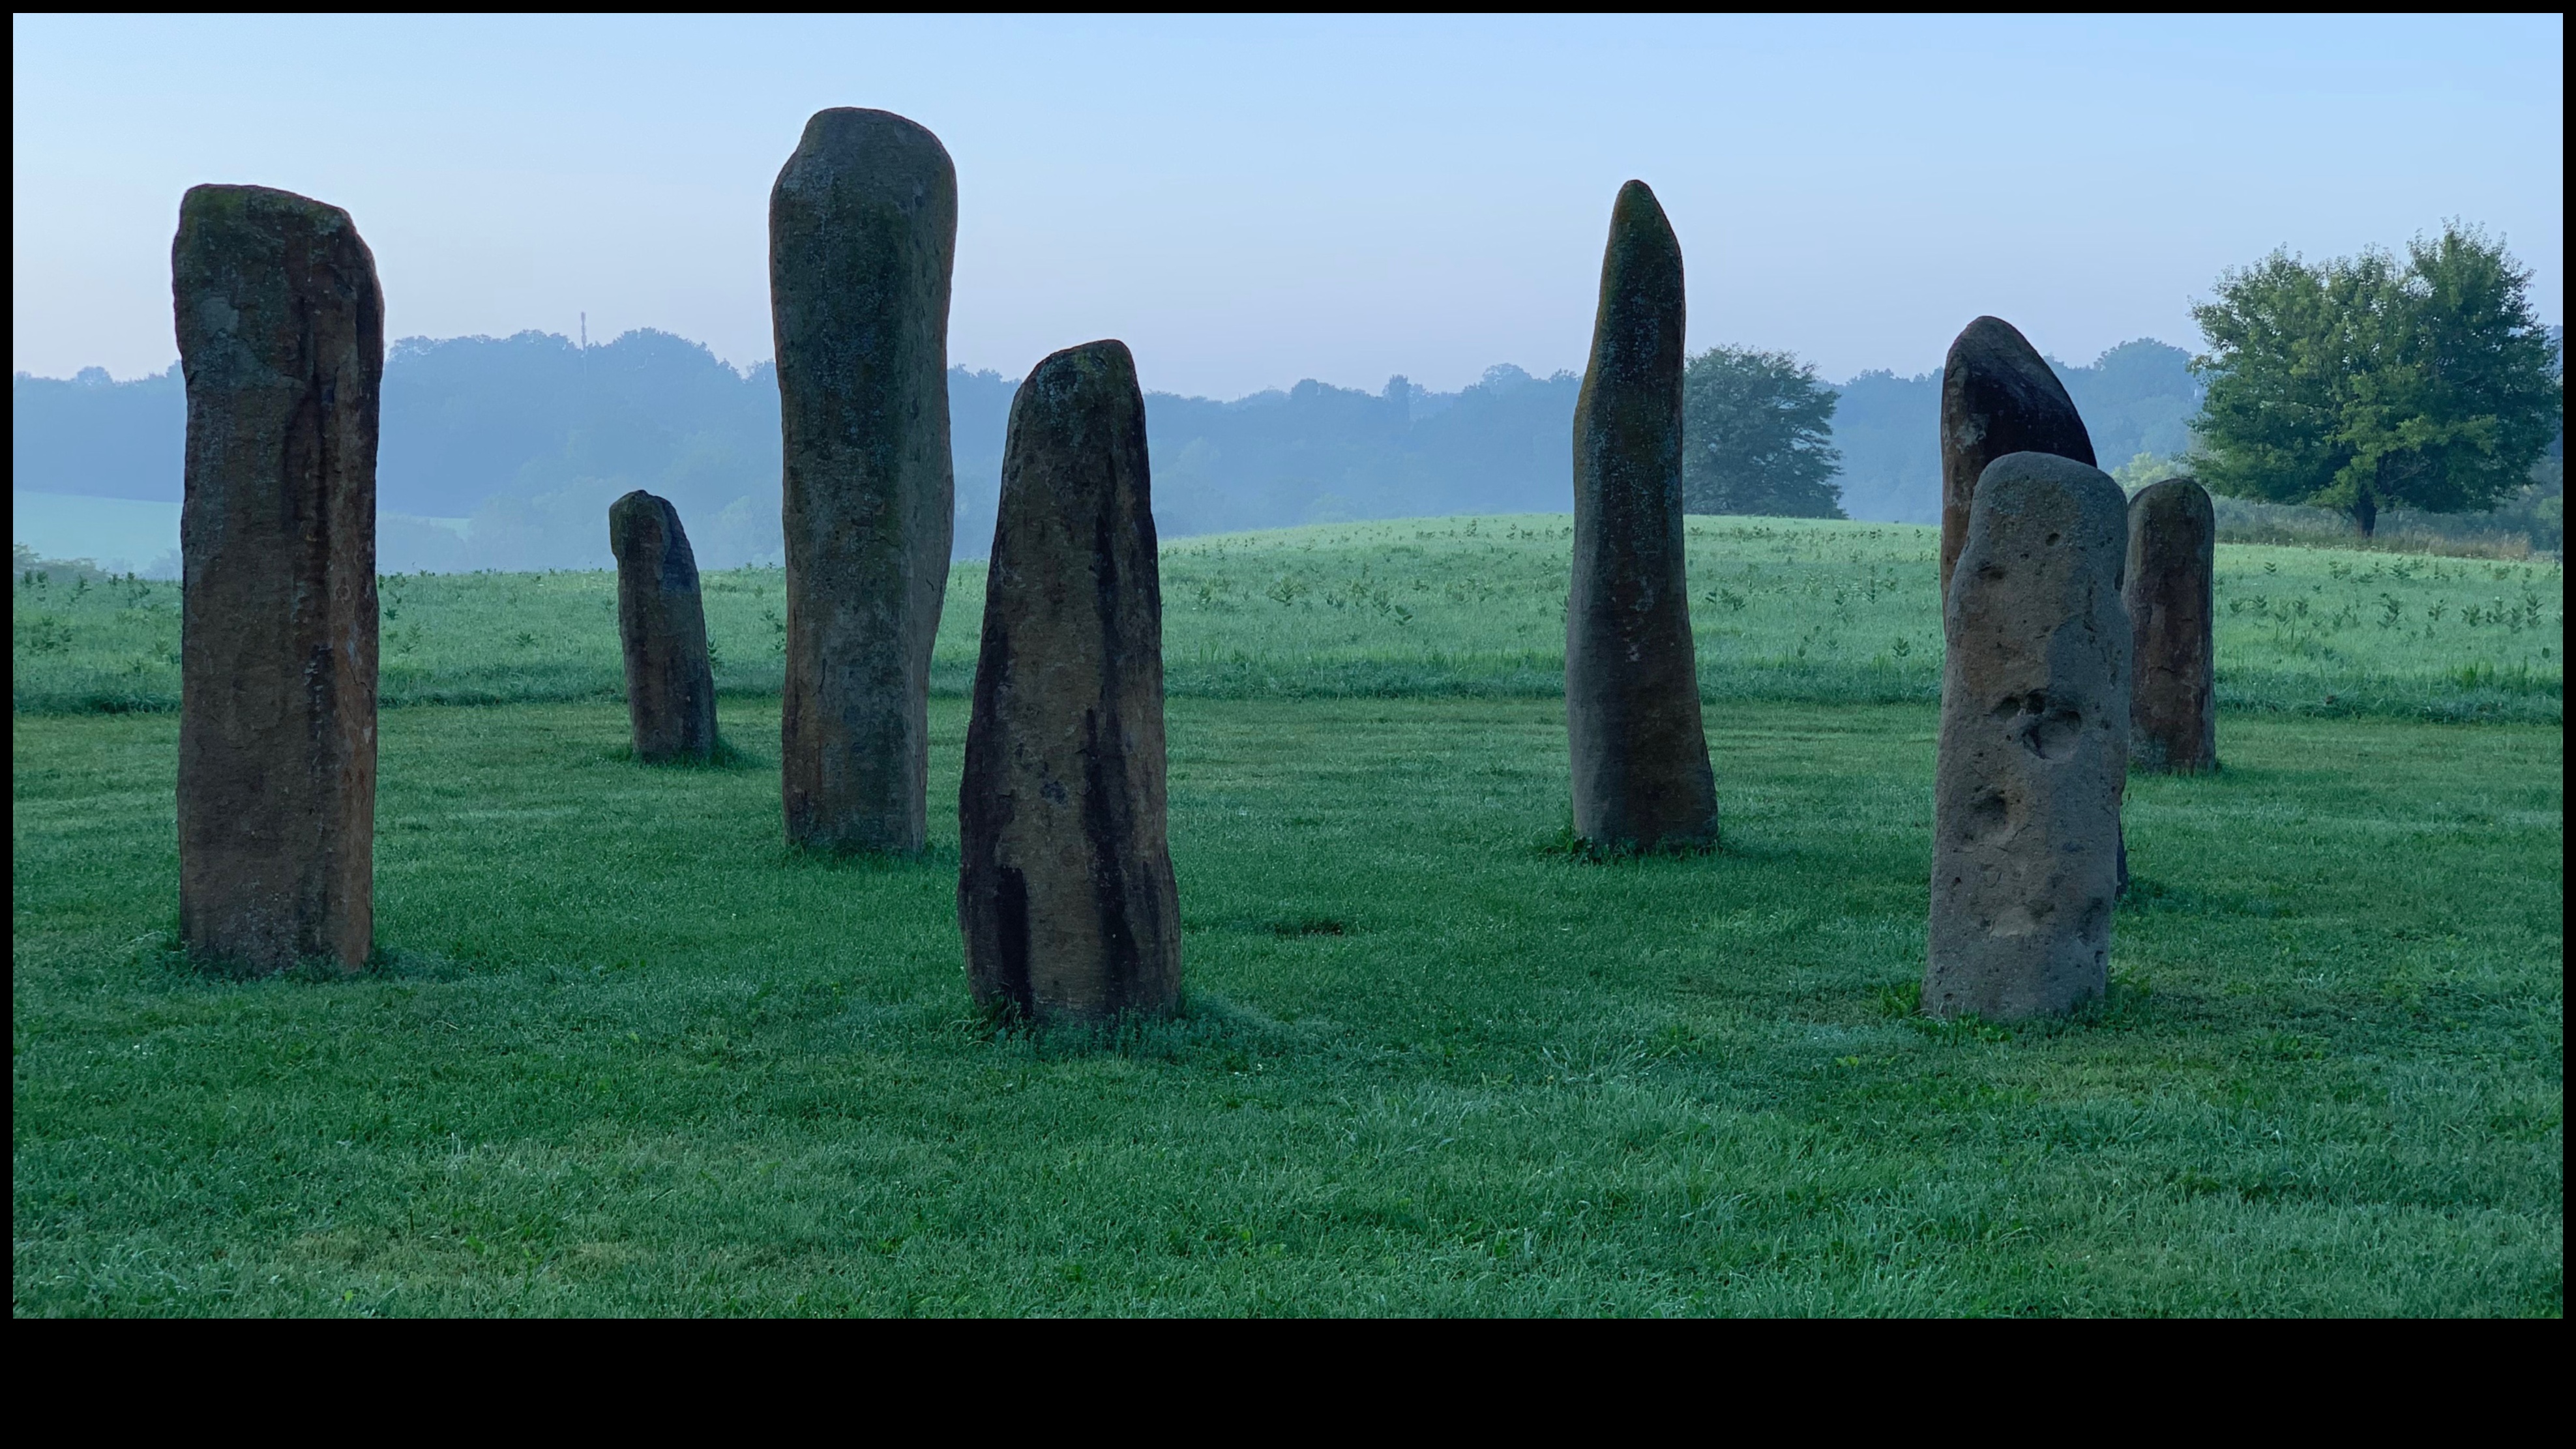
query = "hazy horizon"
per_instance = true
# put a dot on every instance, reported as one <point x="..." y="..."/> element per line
<point x="745" y="370"/>
<point x="1251" y="202"/>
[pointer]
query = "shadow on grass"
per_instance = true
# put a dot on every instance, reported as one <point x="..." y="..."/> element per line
<point x="2147" y="894"/>
<point x="160" y="952"/>
<point x="727" y="756"/>
<point x="938" y="856"/>
<point x="1563" y="844"/>
<point x="1207" y="1032"/>
<point x="2123" y="1007"/>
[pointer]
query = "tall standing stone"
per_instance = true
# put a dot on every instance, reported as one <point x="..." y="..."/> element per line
<point x="2034" y="746"/>
<point x="1641" y="772"/>
<point x="662" y="627"/>
<point x="2173" y="682"/>
<point x="1998" y="396"/>
<point x="862" y="234"/>
<point x="282" y="342"/>
<point x="1066" y="895"/>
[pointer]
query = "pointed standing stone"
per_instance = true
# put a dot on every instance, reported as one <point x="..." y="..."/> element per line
<point x="2034" y="746"/>
<point x="862" y="234"/>
<point x="2173" y="681"/>
<point x="1641" y="772"/>
<point x="662" y="625"/>
<point x="1998" y="396"/>
<point x="1066" y="894"/>
<point x="282" y="342"/>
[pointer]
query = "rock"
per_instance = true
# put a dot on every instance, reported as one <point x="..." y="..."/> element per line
<point x="662" y="624"/>
<point x="862" y="234"/>
<point x="1641" y="772"/>
<point x="1066" y="895"/>
<point x="2034" y="746"/>
<point x="282" y="342"/>
<point x="1997" y="396"/>
<point x="2173" y="687"/>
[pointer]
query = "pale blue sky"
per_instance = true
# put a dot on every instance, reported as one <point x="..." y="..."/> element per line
<point x="1250" y="202"/>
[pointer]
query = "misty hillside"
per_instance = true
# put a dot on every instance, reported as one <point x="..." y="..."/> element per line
<point x="504" y="453"/>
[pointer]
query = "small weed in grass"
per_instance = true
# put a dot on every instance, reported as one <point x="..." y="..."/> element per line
<point x="1565" y="844"/>
<point x="1309" y="926"/>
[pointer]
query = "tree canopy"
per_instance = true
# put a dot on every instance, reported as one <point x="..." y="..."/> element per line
<point x="1757" y="436"/>
<point x="2365" y="382"/>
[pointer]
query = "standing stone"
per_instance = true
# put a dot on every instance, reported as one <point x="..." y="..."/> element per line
<point x="2034" y="746"/>
<point x="862" y="232"/>
<point x="1998" y="396"/>
<point x="662" y="623"/>
<point x="2173" y="681"/>
<point x="282" y="342"/>
<point x="1641" y="773"/>
<point x="1066" y="895"/>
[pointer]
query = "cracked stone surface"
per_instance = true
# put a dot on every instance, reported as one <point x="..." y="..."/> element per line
<point x="862" y="239"/>
<point x="282" y="344"/>
<point x="2169" y="591"/>
<point x="1641" y="773"/>
<point x="2033" y="752"/>
<point x="662" y="629"/>
<point x="1065" y="894"/>
<point x="1998" y="396"/>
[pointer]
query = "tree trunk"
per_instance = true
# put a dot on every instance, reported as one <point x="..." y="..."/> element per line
<point x="2365" y="511"/>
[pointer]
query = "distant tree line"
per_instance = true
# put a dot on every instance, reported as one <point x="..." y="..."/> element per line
<point x="526" y="439"/>
<point x="2360" y="384"/>
<point x="1765" y="435"/>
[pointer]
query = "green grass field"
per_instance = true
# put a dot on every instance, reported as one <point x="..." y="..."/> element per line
<point x="1784" y="610"/>
<point x="627" y="1054"/>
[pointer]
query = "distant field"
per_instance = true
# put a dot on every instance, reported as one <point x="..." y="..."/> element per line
<point x="626" y="1054"/>
<point x="1784" y="610"/>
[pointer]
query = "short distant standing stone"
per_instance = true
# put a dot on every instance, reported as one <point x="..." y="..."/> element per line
<point x="862" y="231"/>
<point x="282" y="342"/>
<point x="2033" y="747"/>
<point x="1998" y="396"/>
<point x="1641" y="772"/>
<point x="662" y="624"/>
<point x="2173" y="687"/>
<point x="1066" y="895"/>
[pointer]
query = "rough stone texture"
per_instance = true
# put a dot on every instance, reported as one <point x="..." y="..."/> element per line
<point x="282" y="342"/>
<point x="2173" y="687"/>
<point x="1066" y="895"/>
<point x="862" y="233"/>
<point x="662" y="624"/>
<point x="1997" y="397"/>
<point x="1641" y="772"/>
<point x="2034" y="746"/>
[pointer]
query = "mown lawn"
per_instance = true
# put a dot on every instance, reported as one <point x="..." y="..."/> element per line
<point x="628" y="1055"/>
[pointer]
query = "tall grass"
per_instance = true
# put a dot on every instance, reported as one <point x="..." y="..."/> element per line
<point x="1828" y="612"/>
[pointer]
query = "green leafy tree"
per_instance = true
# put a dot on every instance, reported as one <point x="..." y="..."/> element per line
<point x="2362" y="383"/>
<point x="1757" y="432"/>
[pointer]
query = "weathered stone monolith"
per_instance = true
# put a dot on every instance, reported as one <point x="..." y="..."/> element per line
<point x="862" y="233"/>
<point x="1998" y="396"/>
<point x="282" y="342"/>
<point x="2173" y="681"/>
<point x="1066" y="895"/>
<point x="2034" y="746"/>
<point x="1632" y="717"/>
<point x="662" y="624"/>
